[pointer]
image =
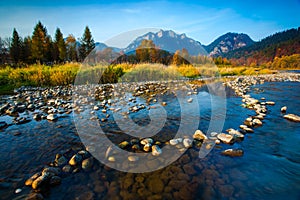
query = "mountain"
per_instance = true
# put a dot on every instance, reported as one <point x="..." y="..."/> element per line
<point x="168" y="41"/>
<point x="283" y="43"/>
<point x="99" y="46"/>
<point x="227" y="43"/>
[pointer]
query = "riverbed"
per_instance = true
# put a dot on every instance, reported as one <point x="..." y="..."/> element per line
<point x="268" y="169"/>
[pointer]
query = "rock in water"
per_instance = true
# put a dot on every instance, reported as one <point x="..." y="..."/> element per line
<point x="270" y="103"/>
<point x="225" y="138"/>
<point x="123" y="144"/>
<point x="233" y="152"/>
<point x="292" y="117"/>
<point x="60" y="160"/>
<point x="87" y="163"/>
<point x="40" y="181"/>
<point x="257" y="122"/>
<point x="190" y="100"/>
<point x="29" y="181"/>
<point x="133" y="158"/>
<point x="147" y="147"/>
<point x="174" y="142"/>
<point x="147" y="141"/>
<point x="283" y="109"/>
<point x="156" y="151"/>
<point x="187" y="143"/>
<point x="199" y="135"/>
<point x="52" y="171"/>
<point x="17" y="191"/>
<point x="75" y="160"/>
<point x="52" y="117"/>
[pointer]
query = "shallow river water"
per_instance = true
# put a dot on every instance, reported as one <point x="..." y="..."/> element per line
<point x="269" y="168"/>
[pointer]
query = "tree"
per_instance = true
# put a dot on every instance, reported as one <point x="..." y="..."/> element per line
<point x="60" y="50"/>
<point x="40" y="44"/>
<point x="146" y="51"/>
<point x="16" y="47"/>
<point x="71" y="48"/>
<point x="26" y="50"/>
<point x="87" y="44"/>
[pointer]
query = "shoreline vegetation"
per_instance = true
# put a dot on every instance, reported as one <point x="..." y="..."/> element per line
<point x="42" y="61"/>
<point x="38" y="75"/>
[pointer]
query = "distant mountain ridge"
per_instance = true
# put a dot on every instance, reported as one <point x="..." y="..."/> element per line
<point x="227" y="43"/>
<point x="238" y="47"/>
<point x="169" y="41"/>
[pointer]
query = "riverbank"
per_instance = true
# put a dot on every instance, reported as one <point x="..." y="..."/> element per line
<point x="65" y="74"/>
<point x="48" y="106"/>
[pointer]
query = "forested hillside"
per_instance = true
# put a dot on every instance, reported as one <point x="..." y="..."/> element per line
<point x="280" y="44"/>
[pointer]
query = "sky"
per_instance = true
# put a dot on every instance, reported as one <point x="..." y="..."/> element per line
<point x="119" y="22"/>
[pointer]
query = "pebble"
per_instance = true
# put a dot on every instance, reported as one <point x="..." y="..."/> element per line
<point x="270" y="103"/>
<point x="87" y="163"/>
<point x="283" y="109"/>
<point x="133" y="158"/>
<point x="233" y="152"/>
<point x="147" y="147"/>
<point x="29" y="181"/>
<point x="199" y="135"/>
<point x="257" y="122"/>
<point x="174" y="142"/>
<point x="40" y="181"/>
<point x="156" y="151"/>
<point x="17" y="191"/>
<point x="190" y="100"/>
<point x="75" y="160"/>
<point x="147" y="141"/>
<point x="292" y="117"/>
<point x="225" y="138"/>
<point x="123" y="144"/>
<point x="67" y="169"/>
<point x="52" y="117"/>
<point x="111" y="159"/>
<point x="187" y="143"/>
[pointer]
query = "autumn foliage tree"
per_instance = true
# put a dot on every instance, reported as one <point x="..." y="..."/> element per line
<point x="40" y="44"/>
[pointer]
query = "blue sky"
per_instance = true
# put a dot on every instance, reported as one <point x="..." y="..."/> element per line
<point x="201" y="20"/>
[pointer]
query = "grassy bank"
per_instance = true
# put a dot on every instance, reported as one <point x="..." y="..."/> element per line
<point x="41" y="75"/>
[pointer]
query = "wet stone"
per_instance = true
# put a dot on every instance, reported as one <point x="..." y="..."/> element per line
<point x="233" y="152"/>
<point x="75" y="160"/>
<point x="87" y="163"/>
<point x="67" y="169"/>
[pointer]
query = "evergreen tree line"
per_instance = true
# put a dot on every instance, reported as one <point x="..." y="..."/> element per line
<point x="41" y="48"/>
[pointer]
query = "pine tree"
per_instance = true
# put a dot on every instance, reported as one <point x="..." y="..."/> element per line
<point x="26" y="50"/>
<point x="87" y="44"/>
<point x="40" y="44"/>
<point x="60" y="50"/>
<point x="16" y="47"/>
